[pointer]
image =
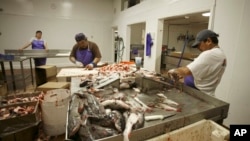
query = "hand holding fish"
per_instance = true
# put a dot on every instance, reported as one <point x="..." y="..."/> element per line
<point x="174" y="75"/>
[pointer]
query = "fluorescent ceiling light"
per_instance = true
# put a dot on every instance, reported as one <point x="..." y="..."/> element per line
<point x="206" y="14"/>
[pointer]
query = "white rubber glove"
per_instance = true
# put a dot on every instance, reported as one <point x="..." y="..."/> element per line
<point x="171" y="71"/>
<point x="79" y="64"/>
<point x="90" y="66"/>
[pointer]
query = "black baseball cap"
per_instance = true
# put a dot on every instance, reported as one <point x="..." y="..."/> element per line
<point x="80" y="36"/>
<point x="202" y="35"/>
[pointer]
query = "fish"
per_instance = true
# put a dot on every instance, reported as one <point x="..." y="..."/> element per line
<point x="99" y="132"/>
<point x="93" y="106"/>
<point x="15" y="111"/>
<point x="85" y="133"/>
<point x="161" y="95"/>
<point x="125" y="115"/>
<point x="74" y="121"/>
<point x="76" y="112"/>
<point x="114" y="119"/>
<point x="145" y="107"/>
<point x="132" y="119"/>
<point x="167" y="107"/>
<point x="105" y="121"/>
<point x="166" y="100"/>
<point x="115" y="68"/>
<point x="134" y="105"/>
<point x="140" y="122"/>
<point x="119" y="121"/>
<point x="170" y="102"/>
<point x="137" y="90"/>
<point x="118" y="96"/>
<point x="101" y="92"/>
<point x="80" y="107"/>
<point x="115" y="104"/>
<point x="124" y="85"/>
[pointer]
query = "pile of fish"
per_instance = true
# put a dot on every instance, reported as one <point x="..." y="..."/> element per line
<point x="96" y="113"/>
<point x="12" y="112"/>
<point x="115" y="68"/>
<point x="107" y="112"/>
<point x="18" y="105"/>
<point x="22" y="99"/>
<point x="103" y="113"/>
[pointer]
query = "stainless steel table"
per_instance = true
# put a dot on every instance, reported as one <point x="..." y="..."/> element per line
<point x="39" y="53"/>
<point x="195" y="107"/>
<point x="13" y="75"/>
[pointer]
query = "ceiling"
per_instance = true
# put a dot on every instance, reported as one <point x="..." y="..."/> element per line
<point x="195" y="18"/>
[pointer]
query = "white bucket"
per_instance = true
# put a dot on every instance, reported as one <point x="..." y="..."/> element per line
<point x="54" y="111"/>
<point x="138" y="61"/>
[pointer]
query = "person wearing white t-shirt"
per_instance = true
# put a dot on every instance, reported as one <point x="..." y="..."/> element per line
<point x="205" y="72"/>
<point x="37" y="43"/>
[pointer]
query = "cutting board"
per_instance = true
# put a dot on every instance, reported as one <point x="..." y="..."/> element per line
<point x="71" y="72"/>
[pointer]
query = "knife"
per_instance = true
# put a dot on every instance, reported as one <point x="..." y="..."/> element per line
<point x="157" y="117"/>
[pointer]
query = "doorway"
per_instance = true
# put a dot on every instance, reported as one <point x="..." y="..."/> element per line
<point x="137" y="40"/>
<point x="178" y="36"/>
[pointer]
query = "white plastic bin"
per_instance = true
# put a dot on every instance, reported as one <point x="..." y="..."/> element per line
<point x="54" y="111"/>
<point x="204" y="130"/>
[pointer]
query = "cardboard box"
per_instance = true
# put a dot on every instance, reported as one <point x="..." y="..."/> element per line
<point x="43" y="73"/>
<point x="53" y="85"/>
<point x="52" y="79"/>
<point x="3" y="89"/>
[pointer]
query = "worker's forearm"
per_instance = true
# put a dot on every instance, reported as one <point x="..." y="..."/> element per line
<point x="24" y="47"/>
<point x="72" y="59"/>
<point x="96" y="60"/>
<point x="45" y="46"/>
<point x="183" y="71"/>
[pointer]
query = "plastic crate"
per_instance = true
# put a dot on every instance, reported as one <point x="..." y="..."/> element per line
<point x="27" y="133"/>
<point x="13" y="124"/>
<point x="204" y="130"/>
<point x="4" y="99"/>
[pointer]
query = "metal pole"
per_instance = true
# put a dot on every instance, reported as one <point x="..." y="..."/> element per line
<point x="22" y="72"/>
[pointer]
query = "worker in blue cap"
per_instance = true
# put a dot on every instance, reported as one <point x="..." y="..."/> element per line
<point x="85" y="53"/>
<point x="205" y="72"/>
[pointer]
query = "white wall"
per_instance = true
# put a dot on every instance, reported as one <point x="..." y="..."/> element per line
<point x="171" y="32"/>
<point x="137" y="36"/>
<point x="59" y="20"/>
<point x="150" y="11"/>
<point x="231" y="21"/>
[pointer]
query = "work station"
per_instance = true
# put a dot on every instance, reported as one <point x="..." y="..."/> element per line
<point x="131" y="70"/>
